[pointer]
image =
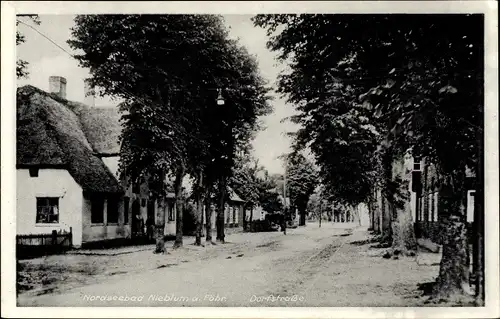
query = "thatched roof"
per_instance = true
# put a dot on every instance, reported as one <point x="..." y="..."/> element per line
<point x="102" y="128"/>
<point x="50" y="132"/>
<point x="234" y="197"/>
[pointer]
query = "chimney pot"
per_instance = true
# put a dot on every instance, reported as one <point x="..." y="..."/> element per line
<point x="57" y="85"/>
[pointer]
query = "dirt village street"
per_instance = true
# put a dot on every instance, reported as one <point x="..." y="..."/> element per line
<point x="327" y="266"/>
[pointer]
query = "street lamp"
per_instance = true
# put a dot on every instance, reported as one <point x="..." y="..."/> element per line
<point x="220" y="99"/>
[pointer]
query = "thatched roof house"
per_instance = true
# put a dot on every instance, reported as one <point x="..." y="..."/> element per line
<point x="53" y="132"/>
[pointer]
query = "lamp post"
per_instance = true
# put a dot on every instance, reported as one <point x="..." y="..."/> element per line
<point x="221" y="212"/>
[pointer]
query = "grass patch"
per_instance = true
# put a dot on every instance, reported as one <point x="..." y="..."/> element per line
<point x="45" y="277"/>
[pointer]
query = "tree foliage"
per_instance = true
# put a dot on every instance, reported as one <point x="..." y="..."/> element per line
<point x="411" y="66"/>
<point x="252" y="182"/>
<point x="418" y="81"/>
<point x="22" y="65"/>
<point x="302" y="180"/>
<point x="333" y="124"/>
<point x="168" y="69"/>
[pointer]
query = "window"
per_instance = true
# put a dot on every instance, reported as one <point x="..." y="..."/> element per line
<point x="126" y="203"/>
<point x="416" y="164"/>
<point x="47" y="210"/>
<point x="112" y="210"/>
<point x="97" y="210"/>
<point x="230" y="219"/>
<point x="171" y="212"/>
<point x="33" y="172"/>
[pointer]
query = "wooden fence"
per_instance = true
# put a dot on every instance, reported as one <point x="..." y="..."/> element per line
<point x="34" y="245"/>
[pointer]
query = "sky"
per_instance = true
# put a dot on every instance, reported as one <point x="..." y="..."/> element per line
<point x="46" y="59"/>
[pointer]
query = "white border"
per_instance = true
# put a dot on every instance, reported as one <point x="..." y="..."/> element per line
<point x="489" y="8"/>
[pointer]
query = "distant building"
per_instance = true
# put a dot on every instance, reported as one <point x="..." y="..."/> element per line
<point x="233" y="212"/>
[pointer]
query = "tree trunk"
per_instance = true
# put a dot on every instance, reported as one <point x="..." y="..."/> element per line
<point x="179" y="207"/>
<point x="320" y="215"/>
<point x="160" y="228"/>
<point x="358" y="213"/>
<point x="199" y="210"/>
<point x="208" y="218"/>
<point x="302" y="217"/>
<point x="376" y="214"/>
<point x="220" y="212"/>
<point x="387" y="195"/>
<point x="380" y="206"/>
<point x="478" y="230"/>
<point x="478" y="245"/>
<point x="203" y="209"/>
<point x="386" y="221"/>
<point x="403" y="232"/>
<point x="453" y="278"/>
<point x="371" y="215"/>
<point x="250" y="223"/>
<point x="244" y="212"/>
<point x="478" y="224"/>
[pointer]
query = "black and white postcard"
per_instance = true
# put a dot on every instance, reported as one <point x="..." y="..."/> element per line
<point x="250" y="159"/>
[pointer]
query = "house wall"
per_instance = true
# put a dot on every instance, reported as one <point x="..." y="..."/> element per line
<point x="427" y="216"/>
<point x="212" y="219"/>
<point x="255" y="213"/>
<point x="170" y="225"/>
<point x="70" y="202"/>
<point x="236" y="219"/>
<point x="105" y="230"/>
<point x="234" y="211"/>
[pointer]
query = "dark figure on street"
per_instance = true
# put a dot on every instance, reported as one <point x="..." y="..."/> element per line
<point x="283" y="223"/>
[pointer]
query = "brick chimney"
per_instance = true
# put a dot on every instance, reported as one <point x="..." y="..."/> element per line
<point x="57" y="85"/>
<point x="88" y="94"/>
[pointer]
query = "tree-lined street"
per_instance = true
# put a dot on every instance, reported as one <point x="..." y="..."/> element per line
<point x="387" y="161"/>
<point x="300" y="268"/>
